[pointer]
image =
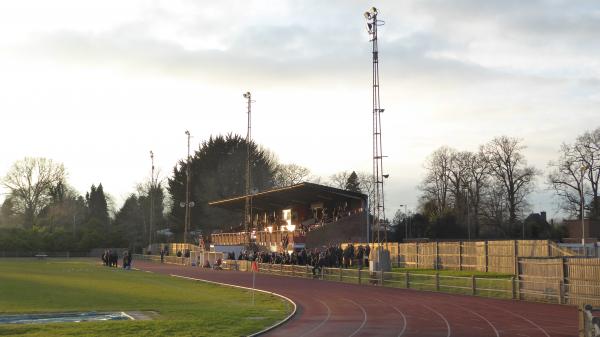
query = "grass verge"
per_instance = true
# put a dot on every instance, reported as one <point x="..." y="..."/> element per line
<point x="184" y="308"/>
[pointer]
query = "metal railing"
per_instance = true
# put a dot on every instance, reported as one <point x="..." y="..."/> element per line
<point x="167" y="259"/>
<point x="495" y="287"/>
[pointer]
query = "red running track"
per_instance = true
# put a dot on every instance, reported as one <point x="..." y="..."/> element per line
<point x="338" y="309"/>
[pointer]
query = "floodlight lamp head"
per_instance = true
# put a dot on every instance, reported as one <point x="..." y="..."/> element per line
<point x="187" y="132"/>
<point x="386" y="176"/>
<point x="247" y="94"/>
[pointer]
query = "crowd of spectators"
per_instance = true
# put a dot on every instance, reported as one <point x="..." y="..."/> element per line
<point x="110" y="258"/>
<point x="332" y="256"/>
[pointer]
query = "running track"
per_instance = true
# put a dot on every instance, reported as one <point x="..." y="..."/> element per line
<point x="338" y="309"/>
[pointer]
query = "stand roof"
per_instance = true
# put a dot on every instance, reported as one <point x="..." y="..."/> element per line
<point x="303" y="193"/>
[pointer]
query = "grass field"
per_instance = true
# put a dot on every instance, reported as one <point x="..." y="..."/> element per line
<point x="183" y="307"/>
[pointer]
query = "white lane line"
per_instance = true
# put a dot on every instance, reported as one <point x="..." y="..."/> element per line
<point x="403" y="318"/>
<point x="401" y="314"/>
<point x="483" y="318"/>
<point x="295" y="308"/>
<point x="527" y="320"/>
<point x="364" y="319"/>
<point x="442" y="317"/>
<point x="322" y="322"/>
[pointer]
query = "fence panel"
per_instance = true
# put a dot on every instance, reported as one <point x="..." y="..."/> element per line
<point x="502" y="256"/>
<point x="426" y="255"/>
<point x="449" y="255"/>
<point x="582" y="281"/>
<point x="540" y="279"/>
<point x="408" y="255"/>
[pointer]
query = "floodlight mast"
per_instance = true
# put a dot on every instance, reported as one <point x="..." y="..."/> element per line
<point x="378" y="176"/>
<point x="248" y="206"/>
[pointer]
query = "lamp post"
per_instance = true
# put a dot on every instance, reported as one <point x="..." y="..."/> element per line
<point x="187" y="204"/>
<point x="582" y="170"/>
<point x="151" y="194"/>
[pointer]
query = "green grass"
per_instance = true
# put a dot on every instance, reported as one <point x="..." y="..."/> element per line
<point x="184" y="307"/>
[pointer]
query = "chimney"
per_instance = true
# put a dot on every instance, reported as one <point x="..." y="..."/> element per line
<point x="543" y="214"/>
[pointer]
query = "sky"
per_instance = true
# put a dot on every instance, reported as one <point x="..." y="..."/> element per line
<point x="98" y="84"/>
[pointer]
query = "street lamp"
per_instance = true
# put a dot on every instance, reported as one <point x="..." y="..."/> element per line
<point x="151" y="192"/>
<point x="582" y="170"/>
<point x="187" y="203"/>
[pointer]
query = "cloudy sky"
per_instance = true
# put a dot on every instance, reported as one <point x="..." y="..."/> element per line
<point x="97" y="84"/>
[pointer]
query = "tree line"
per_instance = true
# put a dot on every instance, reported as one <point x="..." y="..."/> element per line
<point x="485" y="192"/>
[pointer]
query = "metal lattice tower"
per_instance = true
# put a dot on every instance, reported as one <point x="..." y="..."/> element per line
<point x="378" y="176"/>
<point x="248" y="206"/>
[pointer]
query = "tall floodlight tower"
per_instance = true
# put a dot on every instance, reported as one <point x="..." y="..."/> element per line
<point x="151" y="194"/>
<point x="378" y="176"/>
<point x="381" y="257"/>
<point x="248" y="207"/>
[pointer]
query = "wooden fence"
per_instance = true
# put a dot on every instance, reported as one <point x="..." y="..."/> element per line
<point x="489" y="256"/>
<point x="568" y="280"/>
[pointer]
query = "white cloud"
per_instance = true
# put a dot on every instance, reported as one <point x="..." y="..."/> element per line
<point x="98" y="84"/>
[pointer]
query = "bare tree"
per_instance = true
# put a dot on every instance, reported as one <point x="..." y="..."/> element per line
<point x="566" y="178"/>
<point x="339" y="179"/>
<point x="477" y="178"/>
<point x="291" y="174"/>
<point x="29" y="182"/>
<point x="494" y="209"/>
<point x="436" y="185"/>
<point x="587" y="148"/>
<point x="366" y="182"/>
<point x="509" y="167"/>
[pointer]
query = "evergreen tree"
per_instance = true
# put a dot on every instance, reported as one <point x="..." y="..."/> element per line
<point x="97" y="205"/>
<point x="352" y="184"/>
<point x="217" y="171"/>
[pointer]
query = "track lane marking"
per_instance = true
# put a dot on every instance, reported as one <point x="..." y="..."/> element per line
<point x="483" y="318"/>
<point x="526" y="319"/>
<point x="322" y="322"/>
<point x="295" y="307"/>
<point x="401" y="314"/>
<point x="443" y="318"/>
<point x="364" y="319"/>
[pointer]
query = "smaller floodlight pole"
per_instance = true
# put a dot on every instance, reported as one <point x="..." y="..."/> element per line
<point x="378" y="176"/>
<point x="187" y="190"/>
<point x="151" y="194"/>
<point x="248" y="206"/>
